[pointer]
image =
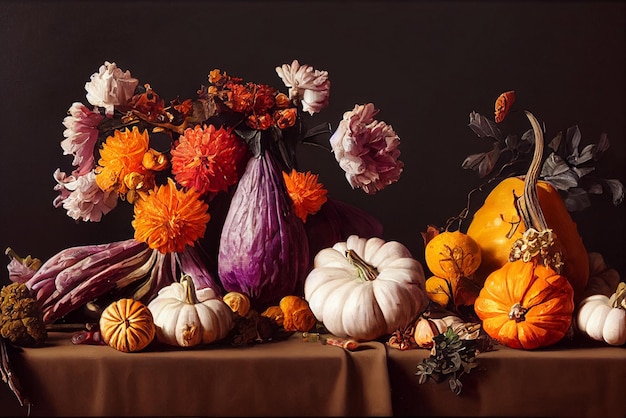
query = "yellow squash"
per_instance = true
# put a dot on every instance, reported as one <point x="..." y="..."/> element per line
<point x="497" y="225"/>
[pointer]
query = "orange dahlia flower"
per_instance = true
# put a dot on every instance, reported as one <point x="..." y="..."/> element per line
<point x="207" y="159"/>
<point x="168" y="219"/>
<point x="306" y="193"/>
<point x="121" y="157"/>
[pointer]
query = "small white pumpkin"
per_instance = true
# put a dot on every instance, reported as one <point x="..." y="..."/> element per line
<point x="184" y="317"/>
<point x="365" y="288"/>
<point x="603" y="318"/>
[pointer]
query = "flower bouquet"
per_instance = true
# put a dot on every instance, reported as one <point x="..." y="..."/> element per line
<point x="234" y="143"/>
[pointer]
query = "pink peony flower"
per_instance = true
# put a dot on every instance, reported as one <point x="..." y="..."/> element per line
<point x="110" y="87"/>
<point x="81" y="196"/>
<point x="367" y="149"/>
<point x="81" y="135"/>
<point x="306" y="85"/>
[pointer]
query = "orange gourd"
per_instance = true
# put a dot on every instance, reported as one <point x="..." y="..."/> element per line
<point x="498" y="224"/>
<point x="127" y="325"/>
<point x="525" y="305"/>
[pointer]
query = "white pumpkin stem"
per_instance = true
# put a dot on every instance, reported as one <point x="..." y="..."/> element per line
<point x="190" y="290"/>
<point x="365" y="270"/>
<point x="538" y="239"/>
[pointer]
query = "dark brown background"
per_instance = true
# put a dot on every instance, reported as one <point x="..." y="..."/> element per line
<point x="425" y="65"/>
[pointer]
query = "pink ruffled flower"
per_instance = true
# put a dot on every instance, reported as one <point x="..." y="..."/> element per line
<point x="367" y="149"/>
<point x="306" y="85"/>
<point x="81" y="196"/>
<point x="81" y="135"/>
<point x="110" y="87"/>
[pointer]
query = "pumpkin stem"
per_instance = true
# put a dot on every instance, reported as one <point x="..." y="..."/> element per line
<point x="190" y="290"/>
<point x="538" y="240"/>
<point x="365" y="270"/>
<point x="618" y="300"/>
<point x="518" y="313"/>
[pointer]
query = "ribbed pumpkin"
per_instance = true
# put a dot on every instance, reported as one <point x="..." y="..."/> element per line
<point x="525" y="305"/>
<point x="186" y="318"/>
<point x="365" y="288"/>
<point x="127" y="325"/>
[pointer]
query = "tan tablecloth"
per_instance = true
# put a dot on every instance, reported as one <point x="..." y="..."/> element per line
<point x="572" y="379"/>
<point x="293" y="378"/>
<point x="288" y="378"/>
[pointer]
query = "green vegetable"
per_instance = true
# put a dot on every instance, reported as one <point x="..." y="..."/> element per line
<point x="21" y="318"/>
<point x="451" y="357"/>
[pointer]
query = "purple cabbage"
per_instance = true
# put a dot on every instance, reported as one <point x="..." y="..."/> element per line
<point x="264" y="250"/>
<point x="335" y="222"/>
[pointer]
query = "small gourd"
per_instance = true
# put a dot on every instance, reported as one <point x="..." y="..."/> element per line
<point x="427" y="328"/>
<point x="185" y="318"/>
<point x="127" y="325"/>
<point x="297" y="315"/>
<point x="238" y="302"/>
<point x="365" y="288"/>
<point x="603" y="318"/>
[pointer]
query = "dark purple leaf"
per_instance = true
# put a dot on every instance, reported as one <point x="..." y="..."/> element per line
<point x="577" y="199"/>
<point x="617" y="189"/>
<point x="484" y="127"/>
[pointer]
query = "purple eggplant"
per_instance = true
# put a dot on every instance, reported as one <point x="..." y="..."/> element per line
<point x="263" y="250"/>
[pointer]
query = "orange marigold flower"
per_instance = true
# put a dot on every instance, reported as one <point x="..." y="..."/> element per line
<point x="260" y="122"/>
<point x="207" y="159"/>
<point x="122" y="154"/>
<point x="307" y="194"/>
<point x="215" y="76"/>
<point x="285" y="118"/>
<point x="240" y="98"/>
<point x="168" y="219"/>
<point x="282" y="101"/>
<point x="264" y="98"/>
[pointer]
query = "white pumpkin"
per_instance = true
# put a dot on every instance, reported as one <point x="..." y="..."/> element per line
<point x="184" y="317"/>
<point x="365" y="288"/>
<point x="603" y="318"/>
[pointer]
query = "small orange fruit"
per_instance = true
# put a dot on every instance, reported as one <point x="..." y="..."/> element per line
<point x="452" y="254"/>
<point x="439" y="290"/>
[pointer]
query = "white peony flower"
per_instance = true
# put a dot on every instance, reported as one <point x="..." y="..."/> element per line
<point x="306" y="85"/>
<point x="110" y="87"/>
<point x="81" y="196"/>
<point x="367" y="149"/>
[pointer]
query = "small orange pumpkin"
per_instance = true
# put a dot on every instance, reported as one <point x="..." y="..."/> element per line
<point x="525" y="305"/>
<point x="127" y="325"/>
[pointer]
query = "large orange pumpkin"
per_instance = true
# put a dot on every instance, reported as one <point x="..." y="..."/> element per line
<point x="525" y="305"/>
